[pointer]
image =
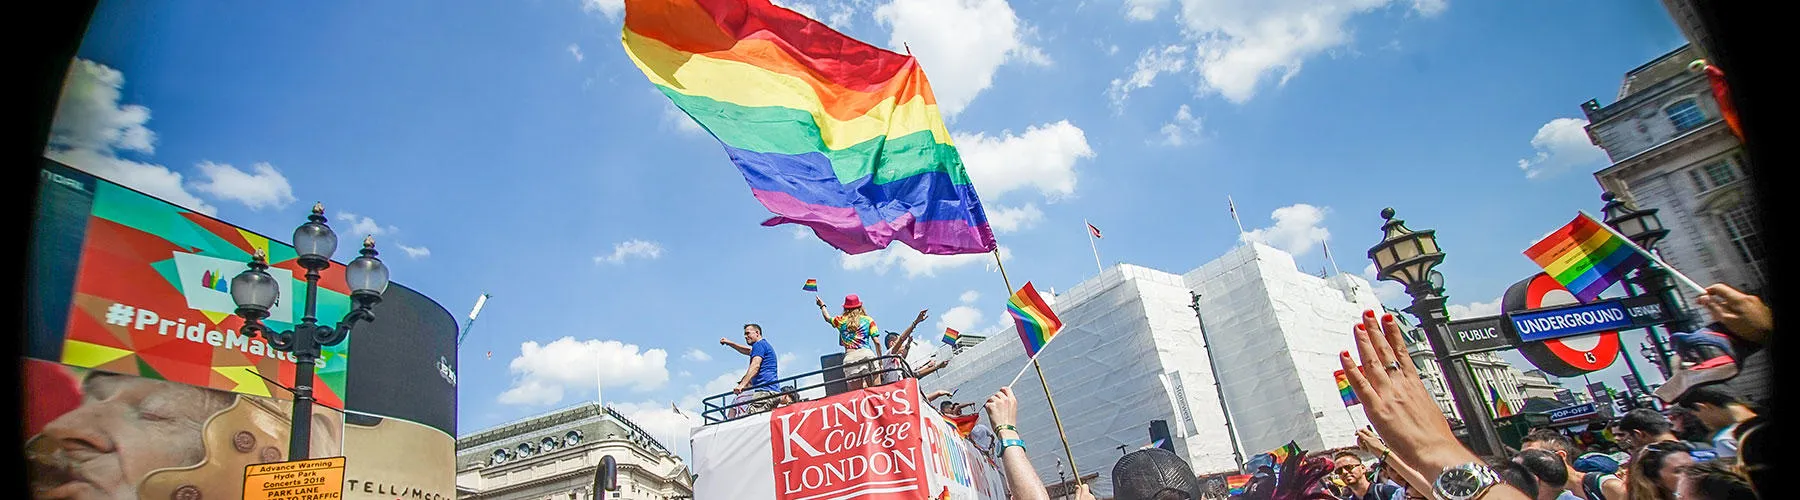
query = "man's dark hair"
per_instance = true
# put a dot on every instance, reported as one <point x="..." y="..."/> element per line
<point x="1645" y="420"/>
<point x="1555" y="440"/>
<point x="1715" y="480"/>
<point x="1513" y="474"/>
<point x="754" y="325"/>
<point x="1546" y="466"/>
<point x="1346" y="453"/>
<point x="1713" y="394"/>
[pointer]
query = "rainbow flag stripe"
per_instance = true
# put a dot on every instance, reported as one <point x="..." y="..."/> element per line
<point x="831" y="133"/>
<point x="1287" y="450"/>
<point x="951" y="335"/>
<point x="812" y="285"/>
<point x="1037" y="324"/>
<point x="1585" y="256"/>
<point x="1343" y="382"/>
<point x="1237" y="483"/>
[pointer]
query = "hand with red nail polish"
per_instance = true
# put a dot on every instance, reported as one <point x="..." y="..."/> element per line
<point x="1399" y="407"/>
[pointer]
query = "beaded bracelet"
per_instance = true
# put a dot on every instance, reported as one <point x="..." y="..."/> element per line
<point x="1006" y="443"/>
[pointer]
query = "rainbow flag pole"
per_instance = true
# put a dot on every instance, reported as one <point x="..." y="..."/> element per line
<point x="1054" y="416"/>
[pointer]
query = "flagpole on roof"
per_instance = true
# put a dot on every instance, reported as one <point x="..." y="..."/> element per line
<point x="1234" y="216"/>
<point x="1054" y="416"/>
<point x="1096" y="249"/>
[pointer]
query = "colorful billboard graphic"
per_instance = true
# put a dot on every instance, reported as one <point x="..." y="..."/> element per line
<point x="152" y="298"/>
<point x="98" y="434"/>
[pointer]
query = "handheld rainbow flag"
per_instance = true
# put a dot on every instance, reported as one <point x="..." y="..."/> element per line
<point x="1501" y="409"/>
<point x="831" y="133"/>
<point x="1287" y="450"/>
<point x="1585" y="256"/>
<point x="1343" y="382"/>
<point x="1237" y="483"/>
<point x="950" y="335"/>
<point x="1153" y="444"/>
<point x="1036" y="323"/>
<point x="812" y="285"/>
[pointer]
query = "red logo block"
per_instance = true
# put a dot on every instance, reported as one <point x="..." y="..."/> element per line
<point x="861" y="444"/>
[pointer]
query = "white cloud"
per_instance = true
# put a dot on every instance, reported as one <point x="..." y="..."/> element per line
<point x="1006" y="220"/>
<point x="633" y="249"/>
<point x="665" y="424"/>
<point x="541" y="373"/>
<point x="364" y="226"/>
<point x="960" y="42"/>
<point x="1390" y="293"/>
<point x="836" y="13"/>
<point x="89" y="115"/>
<point x="575" y="50"/>
<point x="1296" y="230"/>
<point x="154" y="179"/>
<point x="969" y="297"/>
<point x="697" y="355"/>
<point x="415" y="252"/>
<point x="1153" y="62"/>
<point x="674" y="117"/>
<point x="1144" y="10"/>
<point x="917" y="264"/>
<point x="802" y="232"/>
<point x="264" y="187"/>
<point x="1242" y="43"/>
<point x="1176" y="132"/>
<point x="962" y="318"/>
<point x="1043" y="157"/>
<point x="1474" y="309"/>
<point x="92" y="127"/>
<point x="611" y="8"/>
<point x="1561" y="144"/>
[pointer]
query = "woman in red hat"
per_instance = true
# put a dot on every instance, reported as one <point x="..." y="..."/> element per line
<point x="856" y="332"/>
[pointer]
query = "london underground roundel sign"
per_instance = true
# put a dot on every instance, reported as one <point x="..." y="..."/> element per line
<point x="1564" y="357"/>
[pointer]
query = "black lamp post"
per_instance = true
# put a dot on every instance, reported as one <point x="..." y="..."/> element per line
<point x="255" y="292"/>
<point x="1407" y="257"/>
<point x="1643" y="228"/>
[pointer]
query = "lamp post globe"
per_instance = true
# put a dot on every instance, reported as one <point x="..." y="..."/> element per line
<point x="366" y="275"/>
<point x="314" y="242"/>
<point x="254" y="291"/>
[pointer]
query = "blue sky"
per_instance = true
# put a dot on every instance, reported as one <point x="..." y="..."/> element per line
<point x="512" y="148"/>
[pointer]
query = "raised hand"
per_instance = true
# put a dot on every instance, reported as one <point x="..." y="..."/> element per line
<point x="1395" y="399"/>
<point x="724" y="341"/>
<point x="1744" y="314"/>
<point x="922" y="316"/>
<point x="1002" y="408"/>
<point x="819" y="301"/>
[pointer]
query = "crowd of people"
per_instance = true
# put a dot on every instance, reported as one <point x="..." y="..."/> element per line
<point x="1702" y="446"/>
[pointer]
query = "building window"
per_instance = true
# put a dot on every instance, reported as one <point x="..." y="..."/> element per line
<point x="1685" y="114"/>
<point x="1721" y="173"/>
<point x="1740" y="224"/>
<point x="1699" y="182"/>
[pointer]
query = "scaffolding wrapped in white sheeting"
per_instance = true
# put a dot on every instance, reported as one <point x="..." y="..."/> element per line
<point x="1276" y="334"/>
<point x="1130" y="343"/>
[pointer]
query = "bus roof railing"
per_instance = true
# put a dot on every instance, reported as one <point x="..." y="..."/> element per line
<point x="721" y="408"/>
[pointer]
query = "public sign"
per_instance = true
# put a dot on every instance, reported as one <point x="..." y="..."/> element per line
<point x="1573" y="412"/>
<point x="1475" y="335"/>
<point x="1559" y="356"/>
<point x="1569" y="321"/>
<point x="317" y="479"/>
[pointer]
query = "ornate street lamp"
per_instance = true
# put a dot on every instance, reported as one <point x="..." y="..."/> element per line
<point x="1408" y="257"/>
<point x="1646" y="230"/>
<point x="255" y="292"/>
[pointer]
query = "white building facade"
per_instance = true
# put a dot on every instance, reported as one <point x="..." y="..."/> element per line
<point x="555" y="457"/>
<point x="1133" y="350"/>
<point x="1672" y="151"/>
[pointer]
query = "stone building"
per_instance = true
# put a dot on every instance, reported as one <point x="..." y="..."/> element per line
<point x="1671" y="151"/>
<point x="555" y="456"/>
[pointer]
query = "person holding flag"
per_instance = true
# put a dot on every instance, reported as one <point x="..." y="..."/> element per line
<point x="856" y="334"/>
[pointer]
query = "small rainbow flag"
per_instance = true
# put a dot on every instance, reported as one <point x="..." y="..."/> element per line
<point x="1287" y="450"/>
<point x="1036" y="323"/>
<point x="1344" y="391"/>
<point x="1237" y="483"/>
<point x="1501" y="409"/>
<point x="1585" y="256"/>
<point x="950" y="335"/>
<point x="1153" y="444"/>
<point x="812" y="285"/>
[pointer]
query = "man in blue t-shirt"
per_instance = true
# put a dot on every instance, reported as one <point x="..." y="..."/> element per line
<point x="760" y="378"/>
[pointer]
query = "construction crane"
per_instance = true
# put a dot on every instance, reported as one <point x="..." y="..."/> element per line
<point x="479" y="301"/>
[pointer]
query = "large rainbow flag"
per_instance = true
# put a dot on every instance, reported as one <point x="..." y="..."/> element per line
<point x="1585" y="256"/>
<point x="831" y="133"/>
<point x="1037" y="324"/>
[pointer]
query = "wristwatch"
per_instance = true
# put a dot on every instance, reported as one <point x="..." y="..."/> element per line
<point x="1464" y="482"/>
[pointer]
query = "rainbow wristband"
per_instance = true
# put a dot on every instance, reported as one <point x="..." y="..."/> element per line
<point x="1007" y="443"/>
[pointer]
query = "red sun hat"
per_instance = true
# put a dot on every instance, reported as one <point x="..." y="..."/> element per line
<point x="852" y="302"/>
